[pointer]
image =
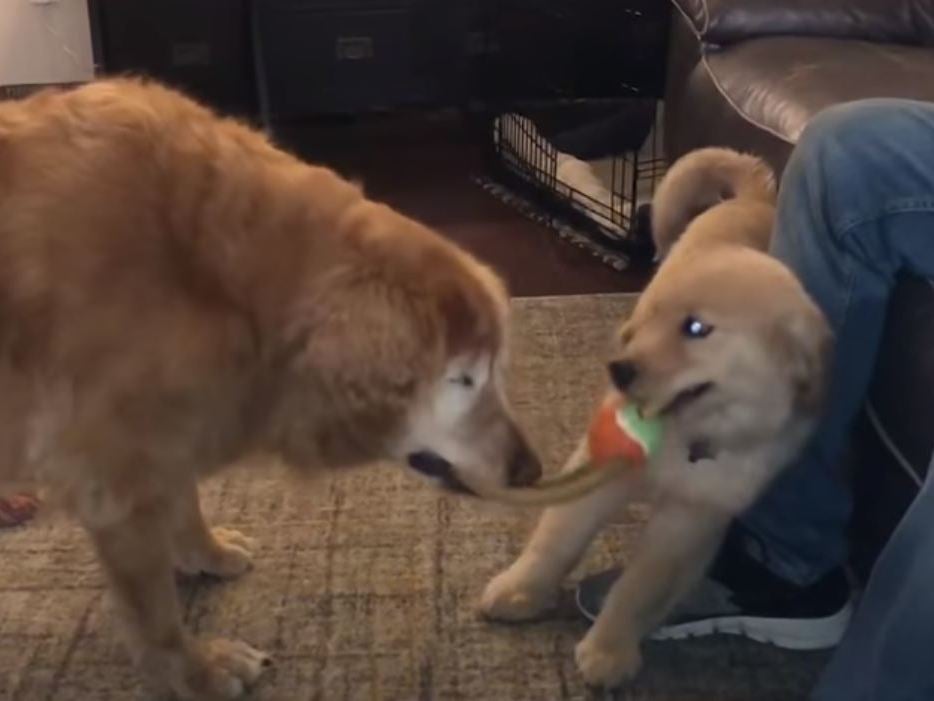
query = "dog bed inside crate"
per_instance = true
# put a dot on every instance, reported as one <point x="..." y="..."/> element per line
<point x="597" y="165"/>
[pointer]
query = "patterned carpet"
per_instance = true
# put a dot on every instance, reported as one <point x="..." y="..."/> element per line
<point x="364" y="587"/>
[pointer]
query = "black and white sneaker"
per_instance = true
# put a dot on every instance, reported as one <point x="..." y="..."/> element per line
<point x="739" y="596"/>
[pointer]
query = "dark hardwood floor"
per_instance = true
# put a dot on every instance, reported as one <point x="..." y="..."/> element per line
<point x="424" y="165"/>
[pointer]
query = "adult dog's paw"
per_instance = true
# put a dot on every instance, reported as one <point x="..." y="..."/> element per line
<point x="234" y="553"/>
<point x="233" y="666"/>
<point x="607" y="665"/>
<point x="228" y="554"/>
<point x="513" y="596"/>
<point x="207" y="670"/>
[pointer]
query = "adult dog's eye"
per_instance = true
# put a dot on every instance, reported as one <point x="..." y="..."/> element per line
<point x="695" y="328"/>
<point x="462" y="380"/>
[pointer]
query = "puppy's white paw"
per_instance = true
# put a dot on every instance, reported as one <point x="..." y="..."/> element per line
<point x="513" y="596"/>
<point x="607" y="665"/>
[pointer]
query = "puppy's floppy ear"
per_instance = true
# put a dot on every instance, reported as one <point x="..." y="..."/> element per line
<point x="805" y="343"/>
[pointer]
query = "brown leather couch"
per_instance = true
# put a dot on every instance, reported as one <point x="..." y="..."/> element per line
<point x="750" y="74"/>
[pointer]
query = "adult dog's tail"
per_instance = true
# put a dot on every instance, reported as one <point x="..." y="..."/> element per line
<point x="701" y="179"/>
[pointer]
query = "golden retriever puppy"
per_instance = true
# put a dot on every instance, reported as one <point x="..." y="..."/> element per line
<point x="728" y="349"/>
<point x="175" y="293"/>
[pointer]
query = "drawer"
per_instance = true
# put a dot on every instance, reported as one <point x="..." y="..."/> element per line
<point x="332" y="62"/>
<point x="299" y="6"/>
<point x="201" y="47"/>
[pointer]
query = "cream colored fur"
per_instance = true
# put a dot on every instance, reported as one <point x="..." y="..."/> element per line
<point x="764" y="362"/>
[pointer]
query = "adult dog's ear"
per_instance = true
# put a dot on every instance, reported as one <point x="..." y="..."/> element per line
<point x="805" y="343"/>
<point x="350" y="366"/>
<point x="364" y="339"/>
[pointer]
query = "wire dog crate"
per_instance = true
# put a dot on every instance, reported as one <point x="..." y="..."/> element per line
<point x="571" y="115"/>
<point x="604" y="190"/>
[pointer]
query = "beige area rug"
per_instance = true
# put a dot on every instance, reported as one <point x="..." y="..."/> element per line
<point x="365" y="584"/>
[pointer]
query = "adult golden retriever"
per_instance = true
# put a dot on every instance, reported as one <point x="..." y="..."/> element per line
<point x="727" y="348"/>
<point x="175" y="292"/>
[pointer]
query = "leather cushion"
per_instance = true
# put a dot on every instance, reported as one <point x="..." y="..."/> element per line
<point x="779" y="83"/>
<point x="696" y="113"/>
<point x="728" y="21"/>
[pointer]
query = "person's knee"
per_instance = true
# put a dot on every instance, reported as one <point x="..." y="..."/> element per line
<point x="854" y="131"/>
<point x="844" y="153"/>
<point x="845" y="122"/>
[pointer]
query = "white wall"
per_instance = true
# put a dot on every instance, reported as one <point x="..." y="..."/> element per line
<point x="45" y="42"/>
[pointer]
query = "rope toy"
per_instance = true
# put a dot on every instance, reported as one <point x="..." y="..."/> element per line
<point x="619" y="438"/>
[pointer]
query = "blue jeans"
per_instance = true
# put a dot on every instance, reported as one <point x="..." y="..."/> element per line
<point x="856" y="209"/>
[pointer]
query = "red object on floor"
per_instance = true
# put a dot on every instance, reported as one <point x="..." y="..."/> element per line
<point x="17" y="509"/>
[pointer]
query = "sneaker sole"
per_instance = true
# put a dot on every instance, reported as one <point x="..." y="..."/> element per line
<point x="787" y="633"/>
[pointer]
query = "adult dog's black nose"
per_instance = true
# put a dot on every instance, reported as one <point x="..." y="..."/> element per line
<point x="430" y="464"/>
<point x="622" y="373"/>
<point x="524" y="469"/>
<point x="433" y="465"/>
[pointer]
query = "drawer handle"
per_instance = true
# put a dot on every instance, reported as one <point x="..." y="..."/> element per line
<point x="354" y="48"/>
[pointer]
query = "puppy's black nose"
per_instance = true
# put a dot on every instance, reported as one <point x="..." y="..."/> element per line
<point x="622" y="373"/>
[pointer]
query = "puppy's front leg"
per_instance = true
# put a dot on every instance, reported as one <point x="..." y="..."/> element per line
<point x="136" y="553"/>
<point x="530" y="585"/>
<point x="679" y="543"/>
<point x="199" y="549"/>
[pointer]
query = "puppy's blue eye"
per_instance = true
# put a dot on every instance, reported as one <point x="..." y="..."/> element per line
<point x="695" y="328"/>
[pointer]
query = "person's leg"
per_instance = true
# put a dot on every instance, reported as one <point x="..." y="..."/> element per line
<point x="886" y="653"/>
<point x="856" y="208"/>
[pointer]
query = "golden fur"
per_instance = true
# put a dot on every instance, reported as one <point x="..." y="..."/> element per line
<point x="746" y="388"/>
<point x="696" y="184"/>
<point x="175" y="293"/>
